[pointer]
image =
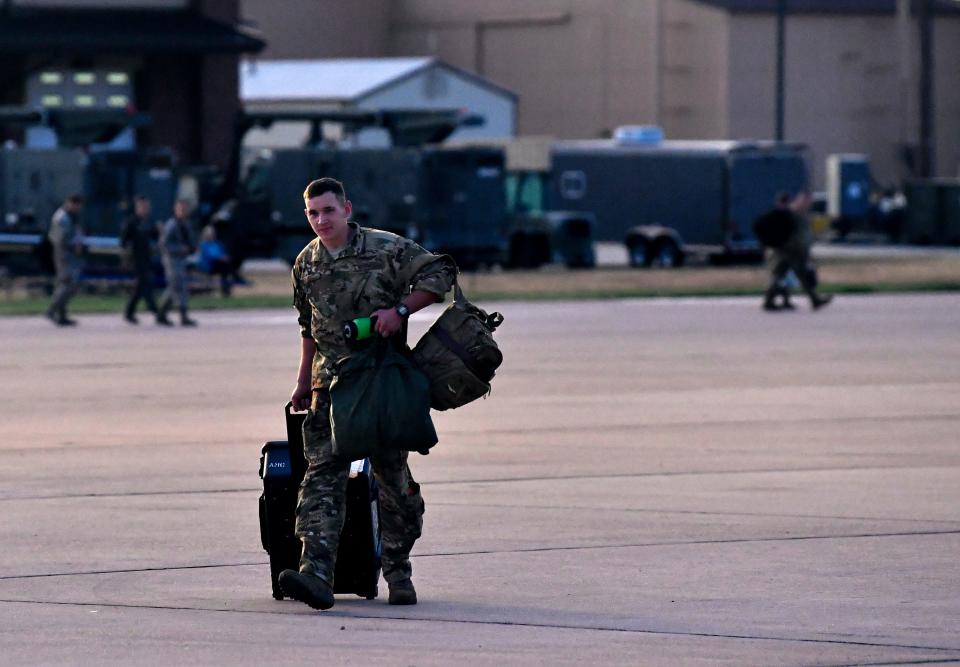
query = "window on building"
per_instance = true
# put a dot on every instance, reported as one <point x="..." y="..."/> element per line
<point x="103" y="88"/>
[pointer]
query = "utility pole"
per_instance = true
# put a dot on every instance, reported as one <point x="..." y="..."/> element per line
<point x="927" y="158"/>
<point x="905" y="73"/>
<point x="781" y="66"/>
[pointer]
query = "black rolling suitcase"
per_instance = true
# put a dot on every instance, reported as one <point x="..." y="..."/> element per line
<point x="282" y="467"/>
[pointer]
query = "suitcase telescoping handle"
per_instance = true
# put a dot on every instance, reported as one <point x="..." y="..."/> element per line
<point x="298" y="464"/>
<point x="288" y="408"/>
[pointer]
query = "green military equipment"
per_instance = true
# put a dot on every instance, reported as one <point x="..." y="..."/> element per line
<point x="379" y="401"/>
<point x="933" y="212"/>
<point x="458" y="353"/>
<point x="447" y="199"/>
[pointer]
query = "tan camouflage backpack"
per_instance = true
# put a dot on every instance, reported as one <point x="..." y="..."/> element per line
<point x="458" y="353"/>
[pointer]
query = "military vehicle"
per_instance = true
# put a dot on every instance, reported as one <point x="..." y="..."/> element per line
<point x="668" y="199"/>
<point x="535" y="234"/>
<point x="35" y="181"/>
<point x="933" y="212"/>
<point x="450" y="200"/>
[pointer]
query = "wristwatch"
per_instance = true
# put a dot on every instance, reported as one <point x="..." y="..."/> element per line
<point x="402" y="310"/>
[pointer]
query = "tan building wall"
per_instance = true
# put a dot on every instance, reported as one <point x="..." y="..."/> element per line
<point x="694" y="70"/>
<point x="843" y="89"/>
<point x="947" y="121"/>
<point x="582" y="67"/>
<point x="307" y="29"/>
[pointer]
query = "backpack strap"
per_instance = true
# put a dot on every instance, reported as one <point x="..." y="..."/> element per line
<point x="458" y="297"/>
<point x="456" y="348"/>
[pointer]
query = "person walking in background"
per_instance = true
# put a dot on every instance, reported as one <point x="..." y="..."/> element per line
<point x="793" y="254"/>
<point x="66" y="237"/>
<point x="138" y="237"/>
<point x="176" y="244"/>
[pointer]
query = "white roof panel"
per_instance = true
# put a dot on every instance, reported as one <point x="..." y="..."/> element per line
<point x="331" y="79"/>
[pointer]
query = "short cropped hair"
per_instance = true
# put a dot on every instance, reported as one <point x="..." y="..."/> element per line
<point x="324" y="185"/>
<point x="141" y="198"/>
<point x="75" y="199"/>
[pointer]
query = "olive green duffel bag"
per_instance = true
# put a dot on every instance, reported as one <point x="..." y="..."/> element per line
<point x="380" y="400"/>
<point x="458" y="353"/>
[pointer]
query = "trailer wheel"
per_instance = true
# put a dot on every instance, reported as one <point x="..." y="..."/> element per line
<point x="528" y="250"/>
<point x="639" y="252"/>
<point x="667" y="254"/>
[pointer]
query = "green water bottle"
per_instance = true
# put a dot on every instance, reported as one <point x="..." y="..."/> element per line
<point x="359" y="329"/>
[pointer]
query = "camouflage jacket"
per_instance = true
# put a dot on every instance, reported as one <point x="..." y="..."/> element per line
<point x="375" y="270"/>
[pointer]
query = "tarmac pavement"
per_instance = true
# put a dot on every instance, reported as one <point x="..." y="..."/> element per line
<point x="688" y="481"/>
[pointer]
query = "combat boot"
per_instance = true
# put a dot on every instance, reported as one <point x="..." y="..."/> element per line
<point x="402" y="592"/>
<point x="185" y="320"/>
<point x="819" y="302"/>
<point x="306" y="588"/>
<point x="60" y="318"/>
<point x="162" y="318"/>
<point x="770" y="299"/>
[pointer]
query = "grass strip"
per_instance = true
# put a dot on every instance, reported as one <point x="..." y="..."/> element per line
<point x="88" y="303"/>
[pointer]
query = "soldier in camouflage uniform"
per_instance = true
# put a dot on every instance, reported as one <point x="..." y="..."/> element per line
<point x="176" y="244"/>
<point x="66" y="237"/>
<point x="794" y="255"/>
<point x="348" y="272"/>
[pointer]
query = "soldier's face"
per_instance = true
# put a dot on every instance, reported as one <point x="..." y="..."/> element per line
<point x="328" y="218"/>
<point x="141" y="207"/>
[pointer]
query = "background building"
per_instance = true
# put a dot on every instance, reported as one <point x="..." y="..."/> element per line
<point x="370" y="83"/>
<point x="175" y="59"/>
<point x="702" y="69"/>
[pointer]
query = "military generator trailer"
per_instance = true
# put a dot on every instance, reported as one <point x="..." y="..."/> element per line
<point x="535" y="235"/>
<point x="34" y="182"/>
<point x="672" y="199"/>
<point x="450" y="200"/>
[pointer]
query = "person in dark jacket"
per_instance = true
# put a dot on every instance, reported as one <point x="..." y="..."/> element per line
<point x="794" y="255"/>
<point x="139" y="237"/>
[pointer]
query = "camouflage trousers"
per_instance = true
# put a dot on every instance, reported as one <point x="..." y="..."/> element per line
<point x="69" y="270"/>
<point x="177" y="292"/>
<point x="322" y="501"/>
<point x="782" y="261"/>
